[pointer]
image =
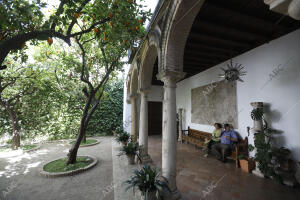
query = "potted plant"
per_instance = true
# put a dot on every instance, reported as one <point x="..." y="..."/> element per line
<point x="122" y="137"/>
<point x="149" y="181"/>
<point x="130" y="150"/>
<point x="247" y="164"/>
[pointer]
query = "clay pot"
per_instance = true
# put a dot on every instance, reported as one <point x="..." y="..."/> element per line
<point x="131" y="159"/>
<point x="247" y="165"/>
<point x="124" y="143"/>
<point x="149" y="196"/>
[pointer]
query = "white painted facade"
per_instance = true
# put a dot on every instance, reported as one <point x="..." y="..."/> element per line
<point x="280" y="90"/>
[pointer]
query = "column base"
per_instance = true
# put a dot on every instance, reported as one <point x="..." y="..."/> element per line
<point x="146" y="158"/>
<point x="175" y="195"/>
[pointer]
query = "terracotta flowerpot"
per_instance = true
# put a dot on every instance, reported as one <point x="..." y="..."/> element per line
<point x="131" y="159"/>
<point x="247" y="165"/>
<point x="124" y="143"/>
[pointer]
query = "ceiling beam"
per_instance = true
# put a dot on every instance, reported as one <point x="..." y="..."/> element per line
<point x="235" y="14"/>
<point x="217" y="40"/>
<point x="217" y="27"/>
<point x="211" y="48"/>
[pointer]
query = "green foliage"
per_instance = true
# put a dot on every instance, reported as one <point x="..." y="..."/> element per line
<point x="130" y="149"/>
<point x="28" y="146"/>
<point x="61" y="166"/>
<point x="148" y="180"/>
<point x="257" y="114"/>
<point x="109" y="114"/>
<point x="118" y="22"/>
<point x="122" y="137"/>
<point x="262" y="143"/>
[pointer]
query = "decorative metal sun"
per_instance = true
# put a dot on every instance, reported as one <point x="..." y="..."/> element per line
<point x="233" y="72"/>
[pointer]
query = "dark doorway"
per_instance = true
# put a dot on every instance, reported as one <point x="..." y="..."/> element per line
<point x="154" y="118"/>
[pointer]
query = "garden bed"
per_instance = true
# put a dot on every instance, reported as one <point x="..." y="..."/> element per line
<point x="58" y="167"/>
<point x="89" y="142"/>
<point x="25" y="148"/>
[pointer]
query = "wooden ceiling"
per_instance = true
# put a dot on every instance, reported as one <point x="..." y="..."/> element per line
<point x="225" y="29"/>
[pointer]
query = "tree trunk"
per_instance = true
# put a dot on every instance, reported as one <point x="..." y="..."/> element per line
<point x="73" y="151"/>
<point x="15" y="126"/>
<point x="84" y="139"/>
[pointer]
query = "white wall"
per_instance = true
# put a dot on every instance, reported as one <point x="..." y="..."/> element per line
<point x="126" y="106"/>
<point x="280" y="91"/>
<point x="156" y="94"/>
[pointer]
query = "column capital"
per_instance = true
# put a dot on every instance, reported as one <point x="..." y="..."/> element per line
<point x="285" y="7"/>
<point x="257" y="104"/>
<point x="144" y="91"/>
<point x="133" y="96"/>
<point x="170" y="77"/>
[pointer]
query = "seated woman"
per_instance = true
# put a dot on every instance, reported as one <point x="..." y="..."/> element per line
<point x="215" y="139"/>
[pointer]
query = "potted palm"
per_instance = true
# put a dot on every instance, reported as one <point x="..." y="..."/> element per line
<point x="130" y="150"/>
<point x="149" y="181"/>
<point x="122" y="137"/>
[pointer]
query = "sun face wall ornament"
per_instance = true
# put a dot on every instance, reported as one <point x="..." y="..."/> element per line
<point x="233" y="72"/>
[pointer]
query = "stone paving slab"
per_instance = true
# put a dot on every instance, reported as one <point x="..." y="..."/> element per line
<point x="121" y="172"/>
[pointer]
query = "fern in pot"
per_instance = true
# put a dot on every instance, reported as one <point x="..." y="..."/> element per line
<point x="122" y="137"/>
<point x="130" y="150"/>
<point x="149" y="181"/>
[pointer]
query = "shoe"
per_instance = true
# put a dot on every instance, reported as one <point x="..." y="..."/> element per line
<point x="206" y="155"/>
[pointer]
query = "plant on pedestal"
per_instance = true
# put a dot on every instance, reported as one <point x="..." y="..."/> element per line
<point x="149" y="181"/>
<point x="273" y="162"/>
<point x="130" y="150"/>
<point x="262" y="139"/>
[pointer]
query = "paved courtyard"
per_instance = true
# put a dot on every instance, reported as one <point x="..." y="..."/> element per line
<point x="198" y="177"/>
<point x="206" y="178"/>
<point x="20" y="178"/>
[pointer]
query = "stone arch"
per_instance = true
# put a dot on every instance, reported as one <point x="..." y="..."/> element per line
<point x="134" y="81"/>
<point x="148" y="60"/>
<point x="176" y="29"/>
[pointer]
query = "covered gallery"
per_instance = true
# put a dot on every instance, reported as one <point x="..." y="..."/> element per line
<point x="174" y="78"/>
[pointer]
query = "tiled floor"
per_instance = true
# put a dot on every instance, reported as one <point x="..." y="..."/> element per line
<point x="207" y="178"/>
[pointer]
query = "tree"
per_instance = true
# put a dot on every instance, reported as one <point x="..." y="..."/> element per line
<point x="23" y="20"/>
<point x="15" y="83"/>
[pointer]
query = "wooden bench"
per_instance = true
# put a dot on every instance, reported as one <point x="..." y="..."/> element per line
<point x="198" y="138"/>
<point x="195" y="137"/>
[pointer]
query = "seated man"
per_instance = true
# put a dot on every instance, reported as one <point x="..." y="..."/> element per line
<point x="223" y="149"/>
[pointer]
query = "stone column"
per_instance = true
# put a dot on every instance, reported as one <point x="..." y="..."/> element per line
<point x="180" y="125"/>
<point x="134" y="125"/>
<point x="143" y="129"/>
<point x="257" y="127"/>
<point x="169" y="141"/>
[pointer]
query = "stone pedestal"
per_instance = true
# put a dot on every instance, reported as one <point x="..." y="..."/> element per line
<point x="257" y="127"/>
<point x="169" y="143"/>
<point x="180" y="125"/>
<point x="143" y="129"/>
<point x="134" y="125"/>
